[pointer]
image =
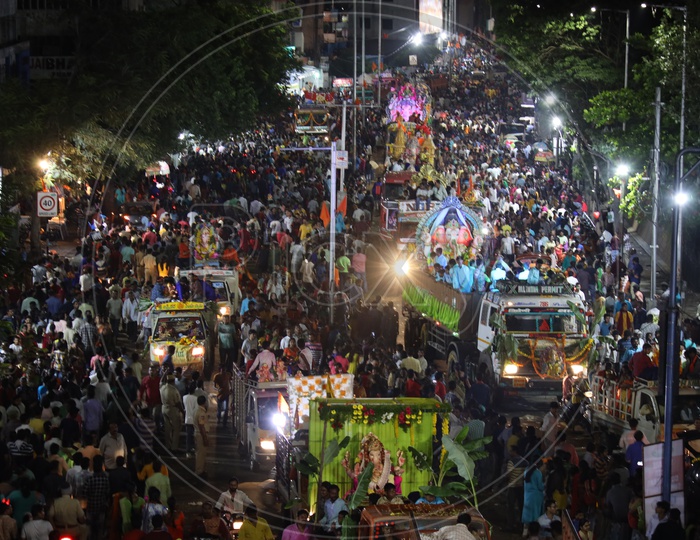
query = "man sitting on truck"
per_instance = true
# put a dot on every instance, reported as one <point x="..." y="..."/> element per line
<point x="642" y="365"/>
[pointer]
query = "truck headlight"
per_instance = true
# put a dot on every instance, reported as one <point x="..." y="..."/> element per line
<point x="510" y="369"/>
<point x="198" y="351"/>
<point x="267" y="444"/>
<point x="159" y="351"/>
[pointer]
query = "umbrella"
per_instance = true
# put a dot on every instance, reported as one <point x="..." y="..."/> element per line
<point x="540" y="146"/>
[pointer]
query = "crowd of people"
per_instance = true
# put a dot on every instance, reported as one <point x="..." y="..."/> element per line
<point x="86" y="416"/>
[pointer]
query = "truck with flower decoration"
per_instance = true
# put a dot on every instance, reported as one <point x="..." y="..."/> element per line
<point x="185" y="326"/>
<point x="525" y="334"/>
<point x="346" y="436"/>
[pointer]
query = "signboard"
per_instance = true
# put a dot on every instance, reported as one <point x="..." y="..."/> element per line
<point x="342" y="82"/>
<point x="341" y="159"/>
<point x="51" y="67"/>
<point x="412" y="60"/>
<point x="46" y="204"/>
<point x="430" y="16"/>
<point x="540" y="290"/>
<point x="653" y="478"/>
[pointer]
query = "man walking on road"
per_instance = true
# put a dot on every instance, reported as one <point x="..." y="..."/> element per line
<point x="222" y="383"/>
<point x="201" y="439"/>
<point x="227" y="342"/>
<point x="172" y="413"/>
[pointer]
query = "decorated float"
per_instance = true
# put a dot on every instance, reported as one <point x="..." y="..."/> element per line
<point x="409" y="115"/>
<point x="206" y="244"/>
<point x="451" y="226"/>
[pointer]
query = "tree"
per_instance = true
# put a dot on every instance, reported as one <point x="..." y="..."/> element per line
<point x="211" y="67"/>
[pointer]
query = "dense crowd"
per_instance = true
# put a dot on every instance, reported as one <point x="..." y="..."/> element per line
<point x="86" y="416"/>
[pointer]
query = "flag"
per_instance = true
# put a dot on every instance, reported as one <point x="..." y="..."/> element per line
<point x="325" y="214"/>
<point x="342" y="206"/>
<point x="374" y="66"/>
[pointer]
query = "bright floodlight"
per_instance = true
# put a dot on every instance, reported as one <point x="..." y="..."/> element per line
<point x="681" y="198"/>
<point x="593" y="9"/>
<point x="556" y="122"/>
<point x="550" y="99"/>
<point x="443" y="35"/>
<point x="644" y="5"/>
<point x="418" y="38"/>
<point x="622" y="170"/>
<point x="44" y="165"/>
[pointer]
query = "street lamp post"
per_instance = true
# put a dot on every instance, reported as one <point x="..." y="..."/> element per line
<point x="671" y="357"/>
<point x="684" y="64"/>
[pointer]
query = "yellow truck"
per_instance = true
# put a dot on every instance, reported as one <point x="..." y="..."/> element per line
<point x="184" y="325"/>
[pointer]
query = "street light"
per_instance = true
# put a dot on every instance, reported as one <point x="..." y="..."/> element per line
<point x="556" y="122"/>
<point x="44" y="164"/>
<point x="551" y="99"/>
<point x="681" y="145"/>
<point x="672" y="359"/>
<point x="681" y="198"/>
<point x="417" y="38"/>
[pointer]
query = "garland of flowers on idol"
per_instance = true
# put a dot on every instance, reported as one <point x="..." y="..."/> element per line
<point x="542" y="357"/>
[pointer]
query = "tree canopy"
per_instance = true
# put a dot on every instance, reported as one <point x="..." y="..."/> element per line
<point x="140" y="78"/>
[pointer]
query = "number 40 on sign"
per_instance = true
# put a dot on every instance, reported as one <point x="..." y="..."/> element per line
<point x="46" y="204"/>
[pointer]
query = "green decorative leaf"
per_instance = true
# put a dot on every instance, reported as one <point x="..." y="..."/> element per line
<point x="333" y="449"/>
<point x="360" y="494"/>
<point x="460" y="457"/>
<point x="420" y="460"/>
<point x="462" y="435"/>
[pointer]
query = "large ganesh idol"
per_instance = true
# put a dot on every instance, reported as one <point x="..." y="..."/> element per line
<point x="450" y="226"/>
<point x="373" y="451"/>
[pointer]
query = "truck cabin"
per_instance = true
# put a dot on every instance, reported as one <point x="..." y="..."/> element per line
<point x="395" y="185"/>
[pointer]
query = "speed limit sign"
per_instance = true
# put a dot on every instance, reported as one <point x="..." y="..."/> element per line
<point x="46" y="204"/>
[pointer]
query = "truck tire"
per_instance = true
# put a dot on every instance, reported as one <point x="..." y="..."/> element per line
<point x="456" y="355"/>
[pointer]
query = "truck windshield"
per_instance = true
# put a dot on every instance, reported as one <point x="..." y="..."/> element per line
<point x="393" y="192"/>
<point x="542" y="322"/>
<point x="173" y="328"/>
<point x="267" y="408"/>
<point x="221" y="290"/>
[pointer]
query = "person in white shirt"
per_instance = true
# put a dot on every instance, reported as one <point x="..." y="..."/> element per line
<point x="189" y="402"/>
<point x="549" y="424"/>
<point x="264" y="357"/>
<point x="627" y="437"/>
<point x="233" y="500"/>
<point x="37" y="528"/>
<point x="460" y="531"/>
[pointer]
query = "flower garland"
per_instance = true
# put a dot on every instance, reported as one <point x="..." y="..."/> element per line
<point x="187" y="341"/>
<point x="544" y="356"/>
<point x="402" y="416"/>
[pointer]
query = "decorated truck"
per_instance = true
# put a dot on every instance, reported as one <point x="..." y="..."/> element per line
<point x="414" y="521"/>
<point x="185" y="326"/>
<point x="347" y="435"/>
<point x="259" y="407"/>
<point x="613" y="405"/>
<point x="399" y="216"/>
<point x="219" y="286"/>
<point x="525" y="334"/>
